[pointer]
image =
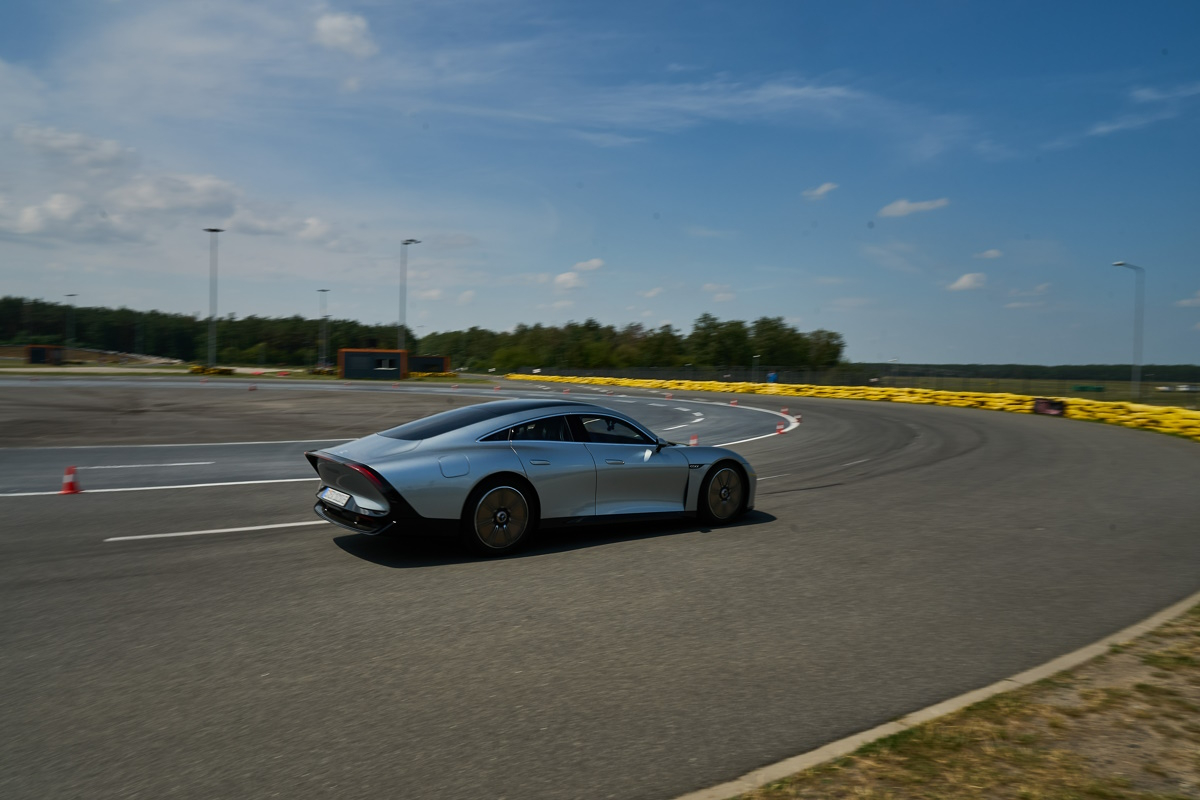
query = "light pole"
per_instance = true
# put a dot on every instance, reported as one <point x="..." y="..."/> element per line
<point x="1139" y="304"/>
<point x="754" y="369"/>
<point x="403" y="289"/>
<point x="324" y="330"/>
<point x="70" y="332"/>
<point x="212" y="294"/>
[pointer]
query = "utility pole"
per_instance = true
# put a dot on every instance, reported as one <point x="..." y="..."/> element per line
<point x="323" y="361"/>
<point x="212" y="294"/>
<point x="1139" y="309"/>
<point x="403" y="290"/>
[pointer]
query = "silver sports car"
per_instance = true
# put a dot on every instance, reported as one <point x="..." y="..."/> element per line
<point x="493" y="473"/>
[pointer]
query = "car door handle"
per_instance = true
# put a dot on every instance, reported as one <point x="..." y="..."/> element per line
<point x="613" y="461"/>
<point x="538" y="462"/>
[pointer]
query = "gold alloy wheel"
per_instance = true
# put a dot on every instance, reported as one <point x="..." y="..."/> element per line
<point x="501" y="517"/>
<point x="725" y="493"/>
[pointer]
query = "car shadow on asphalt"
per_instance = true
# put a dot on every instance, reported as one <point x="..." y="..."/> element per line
<point x="432" y="552"/>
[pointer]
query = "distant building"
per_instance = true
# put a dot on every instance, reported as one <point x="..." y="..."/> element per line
<point x="389" y="365"/>
<point x="45" y="354"/>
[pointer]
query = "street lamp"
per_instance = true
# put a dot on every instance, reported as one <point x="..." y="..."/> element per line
<point x="403" y="289"/>
<point x="212" y="294"/>
<point x="70" y="332"/>
<point x="1139" y="304"/>
<point x="754" y="369"/>
<point x="324" y="330"/>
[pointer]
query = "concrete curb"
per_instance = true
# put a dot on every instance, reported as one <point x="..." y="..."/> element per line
<point x="843" y="747"/>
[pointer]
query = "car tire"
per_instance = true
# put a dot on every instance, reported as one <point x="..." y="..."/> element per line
<point x="500" y="516"/>
<point x="723" y="493"/>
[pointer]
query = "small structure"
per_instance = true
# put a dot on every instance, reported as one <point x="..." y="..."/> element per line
<point x="386" y="365"/>
<point x="45" y="354"/>
<point x="429" y="364"/>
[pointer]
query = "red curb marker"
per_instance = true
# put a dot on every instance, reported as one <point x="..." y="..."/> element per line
<point x="779" y="427"/>
<point x="695" y="440"/>
<point x="733" y="402"/>
<point x="395" y="386"/>
<point x="252" y="388"/>
<point x="566" y="391"/>
<point x="668" y="396"/>
<point x="495" y="388"/>
<point x="799" y="418"/>
<point x="70" y="483"/>
<point x="455" y="386"/>
<point x="784" y="409"/>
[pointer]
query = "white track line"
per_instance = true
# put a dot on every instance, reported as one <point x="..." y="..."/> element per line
<point x="192" y="444"/>
<point x="769" y="477"/>
<point x="155" y="488"/>
<point x="676" y="427"/>
<point x="143" y="466"/>
<point x="216" y="530"/>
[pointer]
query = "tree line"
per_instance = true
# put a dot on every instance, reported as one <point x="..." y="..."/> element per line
<point x="295" y="340"/>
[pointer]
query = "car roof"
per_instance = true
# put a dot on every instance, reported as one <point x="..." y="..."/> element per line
<point x="468" y="416"/>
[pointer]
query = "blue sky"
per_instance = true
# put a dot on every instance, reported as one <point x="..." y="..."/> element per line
<point x="938" y="181"/>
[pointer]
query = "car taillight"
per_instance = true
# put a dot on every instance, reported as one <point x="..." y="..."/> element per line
<point x="366" y="473"/>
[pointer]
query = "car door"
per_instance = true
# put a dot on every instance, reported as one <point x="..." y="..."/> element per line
<point x="632" y="475"/>
<point x="561" y="469"/>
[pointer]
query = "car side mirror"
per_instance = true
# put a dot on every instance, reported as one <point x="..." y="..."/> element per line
<point x="661" y="444"/>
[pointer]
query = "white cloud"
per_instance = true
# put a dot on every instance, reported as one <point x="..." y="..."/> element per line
<point x="589" y="265"/>
<point x="314" y="229"/>
<point x="895" y="255"/>
<point x="1036" y="291"/>
<point x="558" y="305"/>
<point x="602" y="139"/>
<point x="903" y="207"/>
<point x="466" y="297"/>
<point x="720" y="292"/>
<point x="1191" y="302"/>
<point x="1147" y="95"/>
<point x="820" y="191"/>
<point x="200" y="193"/>
<point x="429" y="294"/>
<point x="75" y="148"/>
<point x="1130" y="122"/>
<point x="655" y="292"/>
<point x="972" y="280"/>
<point x="351" y="85"/>
<point x="68" y="217"/>
<point x="993" y="253"/>
<point x="1024" y="304"/>
<point x="708" y="233"/>
<point x="567" y="280"/>
<point x="346" y="32"/>
<point x="245" y="221"/>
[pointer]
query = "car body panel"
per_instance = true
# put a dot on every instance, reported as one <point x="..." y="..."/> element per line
<point x="426" y="482"/>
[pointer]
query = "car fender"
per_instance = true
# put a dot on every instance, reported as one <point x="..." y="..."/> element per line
<point x="422" y="479"/>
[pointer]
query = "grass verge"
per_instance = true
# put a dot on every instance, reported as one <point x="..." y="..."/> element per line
<point x="1123" y="726"/>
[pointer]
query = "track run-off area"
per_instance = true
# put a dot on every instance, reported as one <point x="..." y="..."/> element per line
<point x="899" y="555"/>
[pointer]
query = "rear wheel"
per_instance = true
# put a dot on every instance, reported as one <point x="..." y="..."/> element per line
<point x="499" y="517"/>
<point x="723" y="493"/>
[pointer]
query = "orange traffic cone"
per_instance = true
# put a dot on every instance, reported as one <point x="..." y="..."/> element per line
<point x="566" y="391"/>
<point x="252" y="388"/>
<point x="784" y="409"/>
<point x="733" y="402"/>
<point x="695" y="440"/>
<point x="668" y="396"/>
<point x="70" y="484"/>
<point x="779" y="427"/>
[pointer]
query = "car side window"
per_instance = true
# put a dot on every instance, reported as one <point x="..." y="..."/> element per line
<point x="608" y="430"/>
<point x="550" y="429"/>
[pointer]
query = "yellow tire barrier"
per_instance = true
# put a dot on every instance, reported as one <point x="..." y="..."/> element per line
<point x="1163" y="419"/>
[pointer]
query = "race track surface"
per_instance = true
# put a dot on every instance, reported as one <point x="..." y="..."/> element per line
<point x="899" y="555"/>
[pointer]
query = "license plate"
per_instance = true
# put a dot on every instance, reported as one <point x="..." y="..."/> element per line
<point x="334" y="497"/>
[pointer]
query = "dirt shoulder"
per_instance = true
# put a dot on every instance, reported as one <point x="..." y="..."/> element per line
<point x="1123" y="725"/>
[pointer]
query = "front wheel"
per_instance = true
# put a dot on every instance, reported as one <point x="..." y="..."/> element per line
<point x="722" y="494"/>
<point x="499" y="517"/>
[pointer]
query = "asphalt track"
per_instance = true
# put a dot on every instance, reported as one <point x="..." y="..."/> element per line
<point x="899" y="555"/>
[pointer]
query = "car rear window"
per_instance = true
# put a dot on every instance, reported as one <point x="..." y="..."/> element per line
<point x="457" y="418"/>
